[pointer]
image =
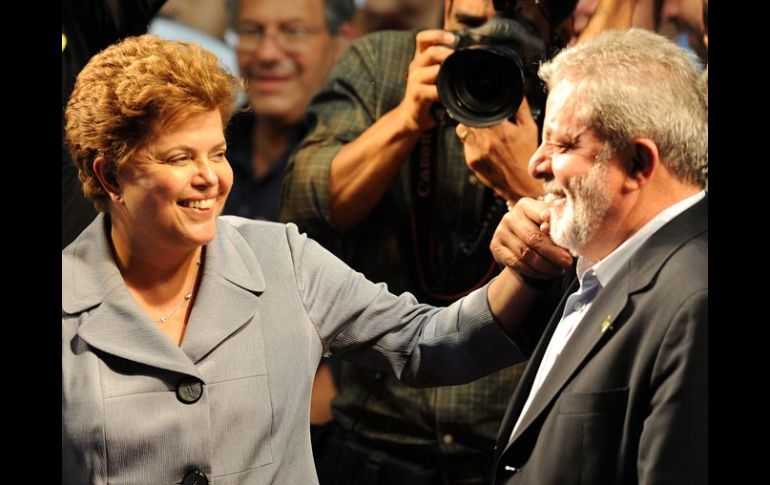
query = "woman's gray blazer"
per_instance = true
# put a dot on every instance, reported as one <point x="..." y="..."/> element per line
<point x="232" y="403"/>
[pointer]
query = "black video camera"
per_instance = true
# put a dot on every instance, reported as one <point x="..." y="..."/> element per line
<point x="483" y="82"/>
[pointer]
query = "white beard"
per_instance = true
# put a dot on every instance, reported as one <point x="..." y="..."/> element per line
<point x="576" y="218"/>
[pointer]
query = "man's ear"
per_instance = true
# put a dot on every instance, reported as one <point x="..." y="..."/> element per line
<point x="107" y="178"/>
<point x="643" y="161"/>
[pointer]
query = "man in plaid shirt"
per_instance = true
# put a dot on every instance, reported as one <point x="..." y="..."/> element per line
<point x="387" y="186"/>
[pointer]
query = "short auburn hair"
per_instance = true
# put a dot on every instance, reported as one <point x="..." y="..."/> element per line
<point x="131" y="91"/>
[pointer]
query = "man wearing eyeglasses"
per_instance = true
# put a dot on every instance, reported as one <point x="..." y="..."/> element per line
<point x="285" y="51"/>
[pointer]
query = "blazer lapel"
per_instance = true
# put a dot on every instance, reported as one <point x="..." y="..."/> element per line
<point x="227" y="299"/>
<point x="135" y="338"/>
<point x="589" y="334"/>
<point x="521" y="392"/>
<point x="115" y="324"/>
<point x="229" y="293"/>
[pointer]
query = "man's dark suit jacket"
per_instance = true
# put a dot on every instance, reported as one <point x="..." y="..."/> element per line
<point x="630" y="404"/>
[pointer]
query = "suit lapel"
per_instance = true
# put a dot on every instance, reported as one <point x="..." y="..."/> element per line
<point x="588" y="335"/>
<point x="528" y="377"/>
<point x="135" y="338"/>
<point x="227" y="299"/>
<point x="228" y="296"/>
<point x="600" y="322"/>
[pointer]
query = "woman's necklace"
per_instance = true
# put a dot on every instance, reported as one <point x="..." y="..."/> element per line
<point x="182" y="303"/>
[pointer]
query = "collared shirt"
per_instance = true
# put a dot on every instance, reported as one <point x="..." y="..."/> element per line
<point x="604" y="270"/>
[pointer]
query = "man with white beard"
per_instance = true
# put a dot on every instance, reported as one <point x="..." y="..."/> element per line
<point x="577" y="210"/>
<point x="616" y="391"/>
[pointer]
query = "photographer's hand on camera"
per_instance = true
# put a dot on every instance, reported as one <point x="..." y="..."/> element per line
<point x="362" y="170"/>
<point x="520" y="243"/>
<point x="421" y="92"/>
<point x="498" y="155"/>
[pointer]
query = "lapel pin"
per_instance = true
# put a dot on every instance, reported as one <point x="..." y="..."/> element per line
<point x="607" y="324"/>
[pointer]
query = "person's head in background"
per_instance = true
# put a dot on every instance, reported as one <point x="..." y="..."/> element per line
<point x="542" y="19"/>
<point x="645" y="16"/>
<point x="686" y="15"/>
<point x="373" y="15"/>
<point x="682" y="22"/>
<point x="145" y="128"/>
<point x="625" y="136"/>
<point x="679" y="20"/>
<point x="466" y="14"/>
<point x="286" y="49"/>
<point x="209" y="16"/>
<point x="543" y="16"/>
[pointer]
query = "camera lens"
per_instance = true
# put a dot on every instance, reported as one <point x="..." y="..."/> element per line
<point x="481" y="85"/>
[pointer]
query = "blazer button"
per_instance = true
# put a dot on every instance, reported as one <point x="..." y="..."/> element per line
<point x="195" y="477"/>
<point x="189" y="390"/>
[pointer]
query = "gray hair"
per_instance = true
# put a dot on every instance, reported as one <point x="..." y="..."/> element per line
<point x="638" y="84"/>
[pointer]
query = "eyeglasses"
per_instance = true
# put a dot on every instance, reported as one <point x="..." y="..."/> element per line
<point x="289" y="38"/>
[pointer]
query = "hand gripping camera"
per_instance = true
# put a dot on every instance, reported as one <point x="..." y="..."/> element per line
<point x="483" y="82"/>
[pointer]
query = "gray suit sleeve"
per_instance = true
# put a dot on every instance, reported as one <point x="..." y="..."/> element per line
<point x="363" y="322"/>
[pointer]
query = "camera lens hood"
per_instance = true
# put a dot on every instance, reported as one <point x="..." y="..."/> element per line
<point x="481" y="85"/>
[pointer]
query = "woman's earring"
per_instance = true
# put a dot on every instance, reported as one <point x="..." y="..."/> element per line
<point x="117" y="197"/>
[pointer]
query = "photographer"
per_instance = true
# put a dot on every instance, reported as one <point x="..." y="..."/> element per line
<point x="383" y="180"/>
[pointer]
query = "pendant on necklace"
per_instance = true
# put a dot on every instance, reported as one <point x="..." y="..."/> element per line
<point x="168" y="315"/>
